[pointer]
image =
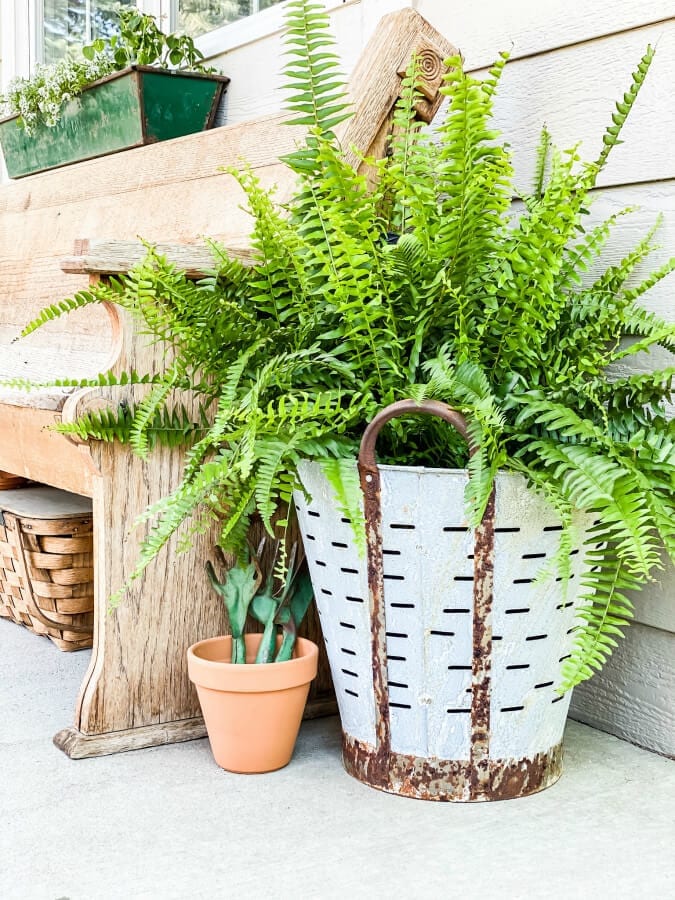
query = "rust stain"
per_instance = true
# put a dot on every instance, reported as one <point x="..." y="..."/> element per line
<point x="517" y="778"/>
<point x="479" y="777"/>
<point x="451" y="780"/>
<point x="370" y="484"/>
<point x="483" y="590"/>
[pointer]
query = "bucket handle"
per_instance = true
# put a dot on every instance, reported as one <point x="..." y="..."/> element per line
<point x="367" y="460"/>
<point x="482" y="592"/>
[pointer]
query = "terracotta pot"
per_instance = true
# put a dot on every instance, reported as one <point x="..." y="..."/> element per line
<point x="252" y="712"/>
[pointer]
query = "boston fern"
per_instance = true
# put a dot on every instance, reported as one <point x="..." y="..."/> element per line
<point x="428" y="285"/>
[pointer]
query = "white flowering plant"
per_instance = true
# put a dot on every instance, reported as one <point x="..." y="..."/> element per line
<point x="40" y="98"/>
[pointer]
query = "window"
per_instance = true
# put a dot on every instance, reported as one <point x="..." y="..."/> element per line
<point x="67" y="24"/>
<point x="200" y="16"/>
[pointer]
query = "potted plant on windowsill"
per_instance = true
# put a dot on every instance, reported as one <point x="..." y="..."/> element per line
<point x="252" y="688"/>
<point x="424" y="289"/>
<point x="138" y="87"/>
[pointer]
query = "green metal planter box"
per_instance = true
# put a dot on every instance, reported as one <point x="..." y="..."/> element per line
<point x="136" y="106"/>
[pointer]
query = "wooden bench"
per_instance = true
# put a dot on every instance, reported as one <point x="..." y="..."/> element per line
<point x="136" y="692"/>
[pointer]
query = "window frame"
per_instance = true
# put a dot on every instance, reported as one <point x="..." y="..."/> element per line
<point x="250" y="28"/>
<point x="22" y="40"/>
<point x="39" y="36"/>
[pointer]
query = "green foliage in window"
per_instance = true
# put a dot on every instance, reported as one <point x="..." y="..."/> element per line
<point x="426" y="286"/>
<point x="40" y="98"/>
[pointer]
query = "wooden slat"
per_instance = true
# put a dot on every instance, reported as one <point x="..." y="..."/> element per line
<point x="65" y="544"/>
<point x="40" y="454"/>
<point x="176" y="162"/>
<point x="113" y="257"/>
<point x="376" y="80"/>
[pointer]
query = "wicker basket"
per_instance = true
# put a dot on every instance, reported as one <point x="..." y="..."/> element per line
<point x="46" y="564"/>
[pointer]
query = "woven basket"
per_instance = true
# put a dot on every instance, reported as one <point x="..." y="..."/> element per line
<point x="46" y="564"/>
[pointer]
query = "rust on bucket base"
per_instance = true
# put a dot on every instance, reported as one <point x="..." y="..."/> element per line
<point x="428" y="778"/>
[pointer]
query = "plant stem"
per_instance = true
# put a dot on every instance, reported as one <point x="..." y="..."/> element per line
<point x="238" y="649"/>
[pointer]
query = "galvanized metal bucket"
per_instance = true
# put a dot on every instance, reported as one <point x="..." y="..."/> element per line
<point x="445" y="643"/>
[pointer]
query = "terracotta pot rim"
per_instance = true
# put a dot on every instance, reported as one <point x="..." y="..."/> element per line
<point x="275" y="676"/>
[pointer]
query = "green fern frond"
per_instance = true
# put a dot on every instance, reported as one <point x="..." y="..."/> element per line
<point x="317" y="91"/>
<point x="343" y="477"/>
<point x="81" y="299"/>
<point x="605" y="613"/>
<point x="542" y="158"/>
<point x="104" y="379"/>
<point x="610" y="138"/>
<point x="169" y="429"/>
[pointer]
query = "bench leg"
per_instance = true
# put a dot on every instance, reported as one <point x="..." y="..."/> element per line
<point x="136" y="692"/>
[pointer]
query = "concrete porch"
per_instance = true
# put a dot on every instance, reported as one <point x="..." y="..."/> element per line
<point x="167" y="823"/>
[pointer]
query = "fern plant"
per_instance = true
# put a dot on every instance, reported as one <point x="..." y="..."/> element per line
<point x="425" y="286"/>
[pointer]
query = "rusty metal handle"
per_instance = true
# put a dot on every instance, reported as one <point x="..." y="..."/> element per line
<point x="370" y="485"/>
<point x="367" y="460"/>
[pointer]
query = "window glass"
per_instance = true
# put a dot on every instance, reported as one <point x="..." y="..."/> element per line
<point x="70" y="23"/>
<point x="199" y="16"/>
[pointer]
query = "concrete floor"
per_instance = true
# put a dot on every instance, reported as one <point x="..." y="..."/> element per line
<point x="167" y="823"/>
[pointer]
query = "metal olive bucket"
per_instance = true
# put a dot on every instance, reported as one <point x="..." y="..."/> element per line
<point x="444" y="643"/>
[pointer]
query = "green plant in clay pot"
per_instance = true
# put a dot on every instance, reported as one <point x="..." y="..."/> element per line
<point x="421" y="286"/>
<point x="243" y="593"/>
<point x="253" y="712"/>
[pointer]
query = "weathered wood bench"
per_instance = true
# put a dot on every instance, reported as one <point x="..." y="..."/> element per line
<point x="136" y="692"/>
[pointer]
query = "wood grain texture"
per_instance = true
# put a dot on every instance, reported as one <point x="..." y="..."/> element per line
<point x="29" y="448"/>
<point x="138" y="670"/>
<point x="376" y="81"/>
<point x="77" y="745"/>
<point x="116" y="257"/>
<point x="82" y="746"/>
<point x="633" y="697"/>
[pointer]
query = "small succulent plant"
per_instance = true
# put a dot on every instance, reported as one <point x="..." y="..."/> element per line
<point x="280" y="611"/>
